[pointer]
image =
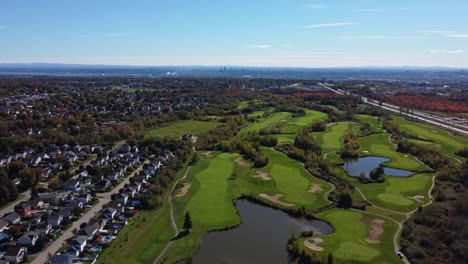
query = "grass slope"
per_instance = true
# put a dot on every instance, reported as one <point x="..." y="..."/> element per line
<point x="331" y="139"/>
<point x="180" y="128"/>
<point x="266" y="123"/>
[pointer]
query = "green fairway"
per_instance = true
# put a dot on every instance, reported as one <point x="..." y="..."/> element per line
<point x="295" y="124"/>
<point x="212" y="205"/>
<point x="267" y="123"/>
<point x="285" y="138"/>
<point x="332" y="138"/>
<point x="348" y="243"/>
<point x="379" y="145"/>
<point x="443" y="140"/>
<point x="373" y="121"/>
<point x="177" y="129"/>
<point x="288" y="177"/>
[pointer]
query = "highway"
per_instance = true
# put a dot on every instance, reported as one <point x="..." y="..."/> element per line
<point x="438" y="121"/>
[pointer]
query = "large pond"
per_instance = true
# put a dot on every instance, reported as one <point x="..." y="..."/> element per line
<point x="365" y="165"/>
<point x="261" y="238"/>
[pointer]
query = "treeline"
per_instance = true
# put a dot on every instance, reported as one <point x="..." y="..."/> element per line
<point x="159" y="185"/>
<point x="437" y="233"/>
<point x="426" y="154"/>
<point x="249" y="146"/>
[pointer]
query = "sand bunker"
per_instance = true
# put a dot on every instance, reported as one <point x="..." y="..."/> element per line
<point x="315" y="187"/>
<point x="417" y="198"/>
<point x="262" y="175"/>
<point x="376" y="230"/>
<point x="208" y="154"/>
<point x="276" y="199"/>
<point x="241" y="162"/>
<point x="365" y="151"/>
<point x="313" y="244"/>
<point x="184" y="190"/>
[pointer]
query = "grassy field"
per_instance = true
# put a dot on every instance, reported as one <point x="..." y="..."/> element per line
<point x="379" y="145"/>
<point x="442" y="140"/>
<point x="348" y="243"/>
<point x="180" y="128"/>
<point x="266" y="123"/>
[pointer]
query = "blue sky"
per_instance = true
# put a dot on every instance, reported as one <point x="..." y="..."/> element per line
<point x="248" y="33"/>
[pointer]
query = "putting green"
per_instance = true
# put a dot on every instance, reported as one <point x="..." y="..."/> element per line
<point x="348" y="243"/>
<point x="378" y="145"/>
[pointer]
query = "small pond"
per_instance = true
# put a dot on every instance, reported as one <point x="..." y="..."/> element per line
<point x="365" y="165"/>
<point x="261" y="238"/>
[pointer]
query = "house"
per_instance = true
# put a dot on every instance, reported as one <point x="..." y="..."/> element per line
<point x="130" y="191"/>
<point x="90" y="230"/>
<point x="62" y="259"/>
<point x="136" y="185"/>
<point x="55" y="220"/>
<point x="12" y="218"/>
<point x="108" y="213"/>
<point x="102" y="184"/>
<point x="122" y="198"/>
<point x="3" y="225"/>
<point x="23" y="209"/>
<point x="43" y="228"/>
<point x="114" y="176"/>
<point x="66" y="213"/>
<point x="73" y="186"/>
<point x="78" y="243"/>
<point x="28" y="240"/>
<point x="84" y="198"/>
<point x="14" y="254"/>
<point x="74" y="204"/>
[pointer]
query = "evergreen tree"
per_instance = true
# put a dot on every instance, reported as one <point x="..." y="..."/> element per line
<point x="188" y="222"/>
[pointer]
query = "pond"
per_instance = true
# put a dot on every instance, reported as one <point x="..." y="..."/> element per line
<point x="365" y="165"/>
<point x="261" y="238"/>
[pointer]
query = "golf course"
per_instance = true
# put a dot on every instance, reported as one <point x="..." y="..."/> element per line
<point x="212" y="186"/>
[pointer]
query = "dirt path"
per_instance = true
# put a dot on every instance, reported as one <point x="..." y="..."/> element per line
<point x="184" y="190"/>
<point x="314" y="244"/>
<point x="275" y="199"/>
<point x="174" y="225"/>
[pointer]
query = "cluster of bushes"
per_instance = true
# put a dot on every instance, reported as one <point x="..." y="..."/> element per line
<point x="351" y="146"/>
<point x="462" y="152"/>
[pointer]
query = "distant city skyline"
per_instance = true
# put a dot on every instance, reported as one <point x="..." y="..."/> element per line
<point x="277" y="33"/>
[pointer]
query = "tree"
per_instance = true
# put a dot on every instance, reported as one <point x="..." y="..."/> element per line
<point x="345" y="200"/>
<point x="188" y="222"/>
<point x="330" y="259"/>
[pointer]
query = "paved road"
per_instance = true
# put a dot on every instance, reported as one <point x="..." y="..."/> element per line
<point x="174" y="224"/>
<point x="10" y="208"/>
<point x="420" y="116"/>
<point x="43" y="257"/>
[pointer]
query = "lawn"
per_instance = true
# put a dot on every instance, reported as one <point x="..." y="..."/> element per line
<point x="267" y="123"/>
<point x="348" y="245"/>
<point x="177" y="129"/>
<point x="379" y="145"/>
